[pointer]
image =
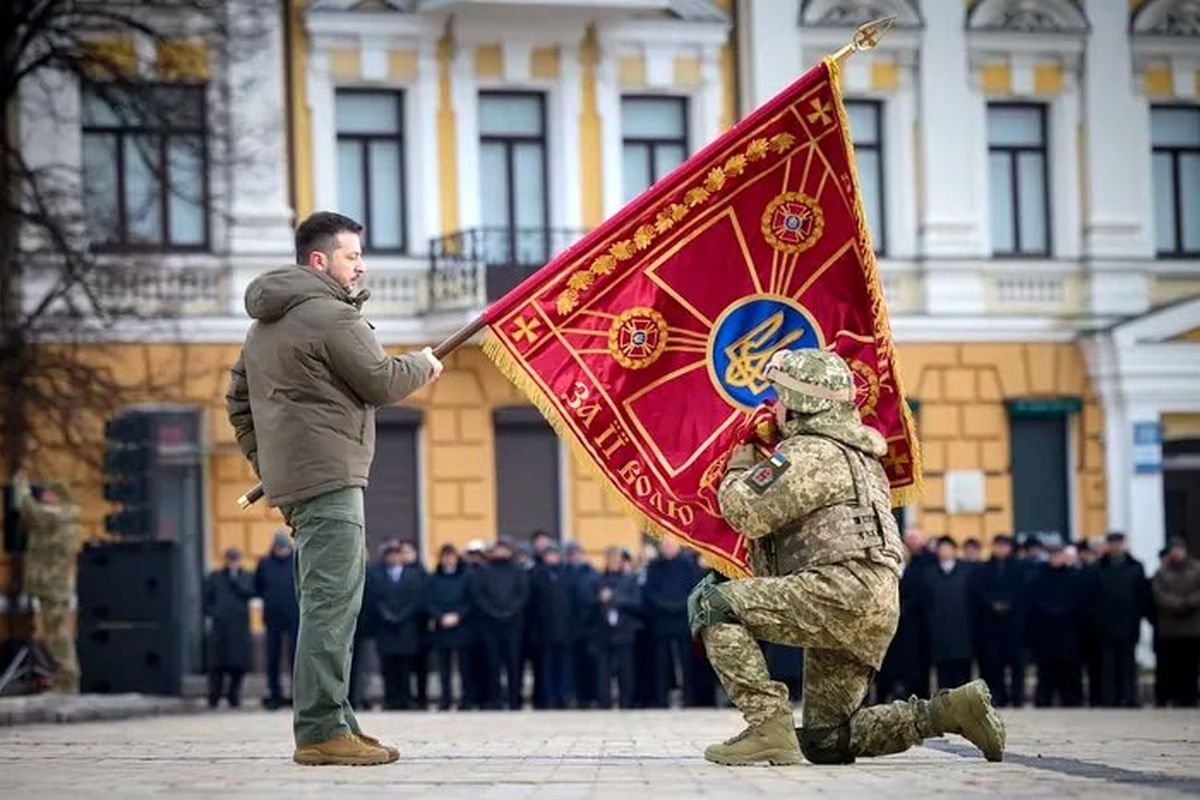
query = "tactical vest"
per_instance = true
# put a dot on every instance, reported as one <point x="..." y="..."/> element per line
<point x="863" y="528"/>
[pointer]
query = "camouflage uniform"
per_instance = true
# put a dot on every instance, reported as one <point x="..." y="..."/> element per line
<point x="52" y="535"/>
<point x="824" y="545"/>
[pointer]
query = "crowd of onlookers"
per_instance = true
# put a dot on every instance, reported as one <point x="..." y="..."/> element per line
<point x="496" y="626"/>
<point x="1072" y="612"/>
<point x="500" y="625"/>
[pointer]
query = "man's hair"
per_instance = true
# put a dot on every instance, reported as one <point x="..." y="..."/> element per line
<point x="319" y="233"/>
<point x="407" y="543"/>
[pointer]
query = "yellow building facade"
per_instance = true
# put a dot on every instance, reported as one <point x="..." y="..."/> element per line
<point x="985" y="342"/>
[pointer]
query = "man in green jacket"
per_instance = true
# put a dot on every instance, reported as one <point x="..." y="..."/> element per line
<point x="302" y="402"/>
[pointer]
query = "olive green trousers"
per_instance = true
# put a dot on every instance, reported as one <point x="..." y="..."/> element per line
<point x="330" y="569"/>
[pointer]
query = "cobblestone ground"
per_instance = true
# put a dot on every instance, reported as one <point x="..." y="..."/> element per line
<point x="647" y="755"/>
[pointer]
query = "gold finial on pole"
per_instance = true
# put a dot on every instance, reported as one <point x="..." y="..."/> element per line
<point x="866" y="36"/>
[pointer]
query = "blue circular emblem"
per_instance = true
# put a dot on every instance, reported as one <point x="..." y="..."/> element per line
<point x="745" y="337"/>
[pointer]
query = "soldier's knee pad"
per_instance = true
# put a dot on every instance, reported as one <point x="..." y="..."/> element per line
<point x="830" y="745"/>
<point x="708" y="606"/>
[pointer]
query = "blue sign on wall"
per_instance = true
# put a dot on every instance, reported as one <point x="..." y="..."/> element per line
<point x="1147" y="447"/>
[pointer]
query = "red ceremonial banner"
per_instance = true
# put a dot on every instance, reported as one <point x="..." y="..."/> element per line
<point x="644" y="344"/>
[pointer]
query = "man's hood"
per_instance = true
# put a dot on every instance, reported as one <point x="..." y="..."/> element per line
<point x="278" y="291"/>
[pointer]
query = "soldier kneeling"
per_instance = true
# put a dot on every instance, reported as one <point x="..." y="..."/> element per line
<point x="824" y="545"/>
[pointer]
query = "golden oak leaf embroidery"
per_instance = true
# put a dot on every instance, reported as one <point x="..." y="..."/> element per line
<point x="603" y="265"/>
<point x="580" y="280"/>
<point x="643" y="236"/>
<point x="715" y="179"/>
<point x="622" y="250"/>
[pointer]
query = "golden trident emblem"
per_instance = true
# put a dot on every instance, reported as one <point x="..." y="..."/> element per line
<point x="749" y="354"/>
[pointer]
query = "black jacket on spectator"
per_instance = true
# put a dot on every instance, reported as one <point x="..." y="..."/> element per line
<point x="1120" y="602"/>
<point x="447" y="593"/>
<point x="275" y="583"/>
<point x="399" y="610"/>
<point x="554" y="604"/>
<point x="585" y="623"/>
<point x="998" y="600"/>
<point x="905" y="669"/>
<point x="1056" y="614"/>
<point x="669" y="581"/>
<point x="947" y="612"/>
<point x="499" y="591"/>
<point x="619" y="618"/>
<point x="227" y="604"/>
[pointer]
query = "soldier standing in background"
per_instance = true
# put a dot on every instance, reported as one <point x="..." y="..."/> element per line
<point x="51" y="526"/>
<point x="823" y="541"/>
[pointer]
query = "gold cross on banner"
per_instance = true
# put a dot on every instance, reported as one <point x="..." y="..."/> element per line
<point x="896" y="461"/>
<point x="524" y="330"/>
<point x="821" y="109"/>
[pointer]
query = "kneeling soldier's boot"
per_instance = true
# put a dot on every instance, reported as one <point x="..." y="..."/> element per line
<point x="773" y="742"/>
<point x="968" y="712"/>
<point x="347" y="750"/>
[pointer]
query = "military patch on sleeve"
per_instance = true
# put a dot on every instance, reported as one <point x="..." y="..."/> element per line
<point x="764" y="474"/>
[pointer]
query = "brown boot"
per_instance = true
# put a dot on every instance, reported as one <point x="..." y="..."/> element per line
<point x="772" y="742"/>
<point x="371" y="740"/>
<point x="968" y="712"/>
<point x="346" y="750"/>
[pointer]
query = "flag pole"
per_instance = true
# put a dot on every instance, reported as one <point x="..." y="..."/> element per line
<point x="866" y="37"/>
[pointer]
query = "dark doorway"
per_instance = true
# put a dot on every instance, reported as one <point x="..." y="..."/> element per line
<point x="393" y="497"/>
<point x="527" y="474"/>
<point x="1041" y="500"/>
<point x="1181" y="491"/>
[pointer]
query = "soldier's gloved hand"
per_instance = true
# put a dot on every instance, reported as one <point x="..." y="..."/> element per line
<point x="702" y="611"/>
<point x="744" y="456"/>
<point x="761" y="428"/>
<point x="693" y="601"/>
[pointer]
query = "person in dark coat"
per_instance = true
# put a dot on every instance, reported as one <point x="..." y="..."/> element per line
<point x="412" y="560"/>
<point x="998" y="602"/>
<point x="972" y="552"/>
<point x="905" y="670"/>
<point x="474" y="666"/>
<point x="399" y="607"/>
<point x="669" y="581"/>
<point x="1176" y="590"/>
<point x="618" y="603"/>
<point x="1121" y="601"/>
<point x="553" y="596"/>
<point x="275" y="583"/>
<point x="227" y="593"/>
<point x="449" y="616"/>
<point x="499" y="594"/>
<point x="585" y="626"/>
<point x="1055" y="622"/>
<point x="948" y="616"/>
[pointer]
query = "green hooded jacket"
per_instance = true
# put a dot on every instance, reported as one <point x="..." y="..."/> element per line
<point x="304" y="390"/>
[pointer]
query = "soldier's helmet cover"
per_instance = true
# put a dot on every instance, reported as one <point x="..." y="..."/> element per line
<point x="810" y="381"/>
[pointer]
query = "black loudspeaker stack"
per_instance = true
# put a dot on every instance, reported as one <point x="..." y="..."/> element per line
<point x="130" y="632"/>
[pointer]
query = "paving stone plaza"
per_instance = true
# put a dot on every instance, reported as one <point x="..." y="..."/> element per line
<point x="645" y="755"/>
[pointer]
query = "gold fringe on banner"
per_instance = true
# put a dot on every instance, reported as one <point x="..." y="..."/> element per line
<point x="883" y="327"/>
<point x="512" y="370"/>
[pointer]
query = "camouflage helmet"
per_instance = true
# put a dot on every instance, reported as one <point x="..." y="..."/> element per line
<point x="810" y="381"/>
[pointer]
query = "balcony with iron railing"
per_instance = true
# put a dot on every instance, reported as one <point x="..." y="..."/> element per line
<point x="496" y="259"/>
